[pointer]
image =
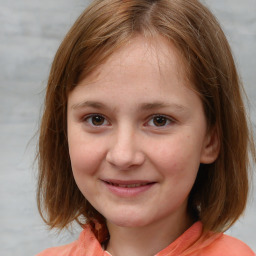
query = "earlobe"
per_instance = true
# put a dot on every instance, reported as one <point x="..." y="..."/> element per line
<point x="211" y="148"/>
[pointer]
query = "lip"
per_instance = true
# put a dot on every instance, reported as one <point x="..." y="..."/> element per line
<point x="128" y="188"/>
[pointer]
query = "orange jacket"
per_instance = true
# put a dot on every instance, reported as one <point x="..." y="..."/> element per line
<point x="190" y="243"/>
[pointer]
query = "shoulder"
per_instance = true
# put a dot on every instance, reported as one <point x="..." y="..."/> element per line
<point x="65" y="250"/>
<point x="86" y="245"/>
<point x="226" y="245"/>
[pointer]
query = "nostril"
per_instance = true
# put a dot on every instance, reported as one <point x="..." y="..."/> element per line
<point x="125" y="150"/>
<point x="125" y="159"/>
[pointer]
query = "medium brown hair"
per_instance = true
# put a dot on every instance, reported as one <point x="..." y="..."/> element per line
<point x="220" y="192"/>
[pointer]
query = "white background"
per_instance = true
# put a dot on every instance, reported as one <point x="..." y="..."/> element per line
<point x="30" y="32"/>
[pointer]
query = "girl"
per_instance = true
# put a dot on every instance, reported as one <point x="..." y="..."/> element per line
<point x="144" y="139"/>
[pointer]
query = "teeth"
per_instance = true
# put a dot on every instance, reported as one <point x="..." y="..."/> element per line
<point x="129" y="186"/>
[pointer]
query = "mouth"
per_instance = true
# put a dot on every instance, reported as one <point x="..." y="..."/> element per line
<point x="133" y="185"/>
<point x="128" y="188"/>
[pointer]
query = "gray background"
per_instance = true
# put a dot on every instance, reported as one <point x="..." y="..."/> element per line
<point x="30" y="32"/>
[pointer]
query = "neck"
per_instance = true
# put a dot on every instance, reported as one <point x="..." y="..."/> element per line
<point x="146" y="240"/>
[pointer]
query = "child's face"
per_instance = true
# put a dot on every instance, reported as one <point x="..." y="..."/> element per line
<point x="137" y="135"/>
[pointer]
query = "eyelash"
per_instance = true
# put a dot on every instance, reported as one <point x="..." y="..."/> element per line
<point x="166" y="119"/>
<point x="88" y="117"/>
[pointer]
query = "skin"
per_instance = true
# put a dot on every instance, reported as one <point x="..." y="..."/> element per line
<point x="135" y="120"/>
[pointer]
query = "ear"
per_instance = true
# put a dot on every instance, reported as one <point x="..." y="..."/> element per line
<point x="211" y="147"/>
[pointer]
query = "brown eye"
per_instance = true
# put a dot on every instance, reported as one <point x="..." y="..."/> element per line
<point x="159" y="121"/>
<point x="96" y="120"/>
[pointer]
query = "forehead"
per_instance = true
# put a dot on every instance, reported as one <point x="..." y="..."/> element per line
<point x="143" y="71"/>
<point x="154" y="56"/>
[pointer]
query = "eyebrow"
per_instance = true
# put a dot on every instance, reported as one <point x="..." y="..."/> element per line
<point x="159" y="105"/>
<point x="143" y="106"/>
<point x="93" y="104"/>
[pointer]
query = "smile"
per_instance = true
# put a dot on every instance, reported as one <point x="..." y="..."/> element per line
<point x="128" y="188"/>
<point x="128" y="185"/>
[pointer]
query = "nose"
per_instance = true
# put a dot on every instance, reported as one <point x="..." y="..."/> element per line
<point x="125" y="150"/>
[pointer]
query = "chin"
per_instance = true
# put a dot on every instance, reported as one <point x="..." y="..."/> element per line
<point x="128" y="221"/>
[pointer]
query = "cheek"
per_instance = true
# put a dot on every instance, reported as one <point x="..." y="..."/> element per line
<point x="82" y="161"/>
<point x="85" y="156"/>
<point x="179" y="156"/>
